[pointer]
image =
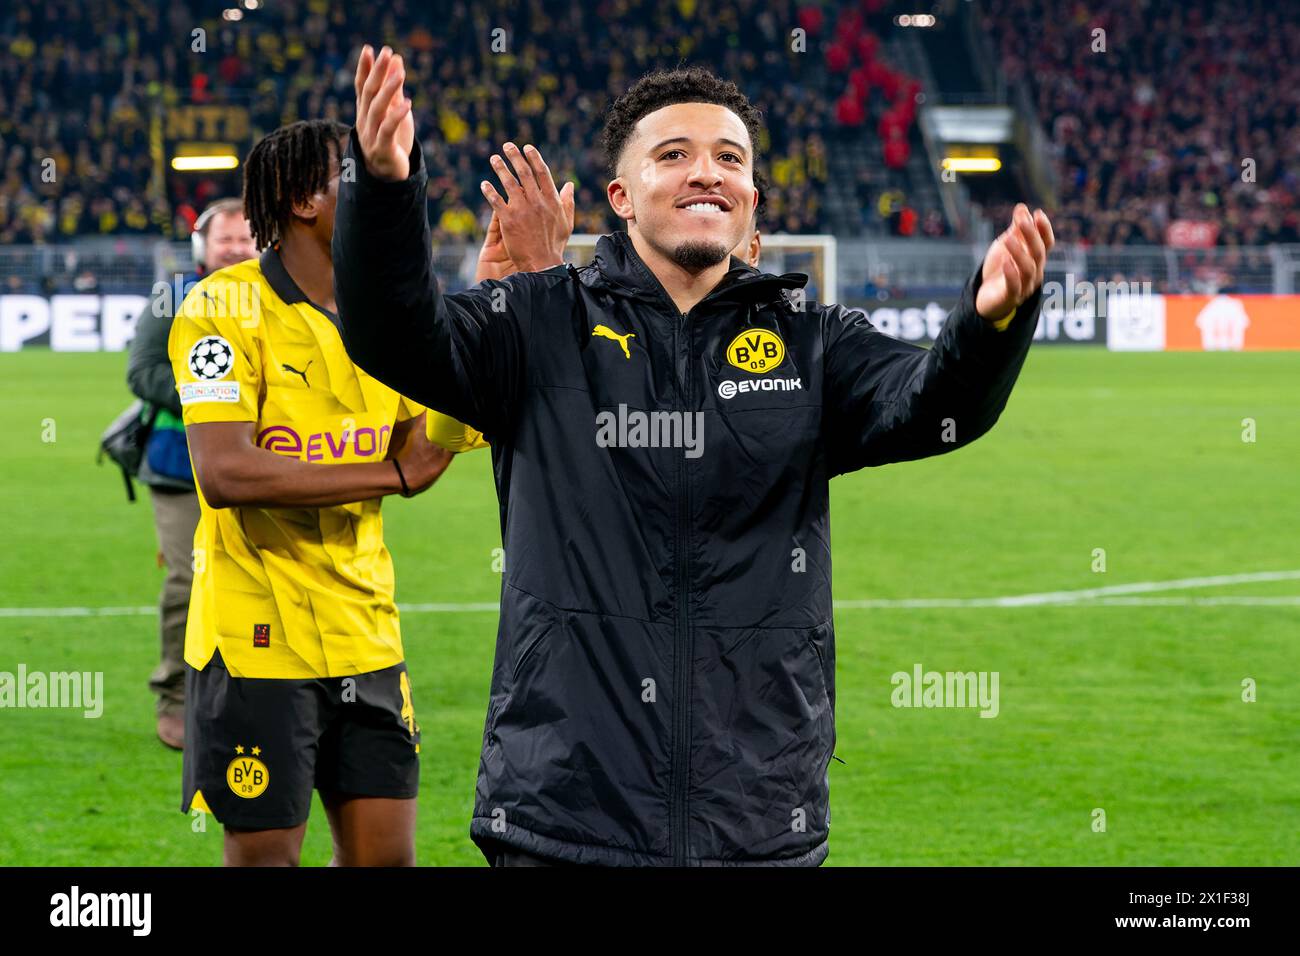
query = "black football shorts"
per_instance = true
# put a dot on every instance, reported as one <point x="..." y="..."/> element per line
<point x="256" y="747"/>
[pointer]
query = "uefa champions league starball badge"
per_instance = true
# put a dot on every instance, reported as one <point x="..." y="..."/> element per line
<point x="211" y="358"/>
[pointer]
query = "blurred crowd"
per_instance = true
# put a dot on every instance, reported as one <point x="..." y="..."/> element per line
<point x="1152" y="131"/>
<point x="1188" y="115"/>
<point x="81" y="81"/>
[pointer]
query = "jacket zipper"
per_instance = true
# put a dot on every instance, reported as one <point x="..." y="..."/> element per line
<point x="681" y="631"/>
<point x="682" y="643"/>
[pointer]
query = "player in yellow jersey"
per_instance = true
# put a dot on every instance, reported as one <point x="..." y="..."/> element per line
<point x="295" y="668"/>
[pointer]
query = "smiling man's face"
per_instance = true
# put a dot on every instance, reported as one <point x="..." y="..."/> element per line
<point x="686" y="183"/>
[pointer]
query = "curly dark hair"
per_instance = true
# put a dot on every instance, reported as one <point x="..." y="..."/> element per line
<point x="668" y="87"/>
<point x="285" y="167"/>
<point x="762" y="184"/>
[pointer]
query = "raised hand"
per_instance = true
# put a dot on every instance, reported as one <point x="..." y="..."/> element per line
<point x="1013" y="266"/>
<point x="493" y="260"/>
<point x="385" y="126"/>
<point x="536" y="219"/>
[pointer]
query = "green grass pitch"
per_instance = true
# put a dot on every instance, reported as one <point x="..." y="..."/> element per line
<point x="1132" y="708"/>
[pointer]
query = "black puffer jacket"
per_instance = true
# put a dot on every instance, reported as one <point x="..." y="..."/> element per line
<point x="664" y="683"/>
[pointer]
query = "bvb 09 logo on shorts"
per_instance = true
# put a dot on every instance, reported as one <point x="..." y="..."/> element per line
<point x="756" y="350"/>
<point x="247" y="776"/>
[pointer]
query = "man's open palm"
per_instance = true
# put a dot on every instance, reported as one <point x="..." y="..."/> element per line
<point x="533" y="223"/>
<point x="494" y="261"/>
<point x="385" y="126"/>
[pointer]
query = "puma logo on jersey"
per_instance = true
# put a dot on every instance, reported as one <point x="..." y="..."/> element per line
<point x="604" y="331"/>
<point x="303" y="373"/>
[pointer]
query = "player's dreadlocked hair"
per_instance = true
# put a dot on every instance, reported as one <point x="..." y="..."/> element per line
<point x="285" y="167"/>
<point x="666" y="88"/>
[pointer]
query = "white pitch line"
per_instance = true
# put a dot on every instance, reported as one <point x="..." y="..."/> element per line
<point x="447" y="608"/>
<point x="153" y="611"/>
<point x="1013" y="605"/>
<point x="77" y="611"/>
<point x="1109" y="596"/>
<point x="1146" y="587"/>
<point x="1223" y="600"/>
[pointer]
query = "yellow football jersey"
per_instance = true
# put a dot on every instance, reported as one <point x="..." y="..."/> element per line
<point x="286" y="592"/>
<point x="451" y="434"/>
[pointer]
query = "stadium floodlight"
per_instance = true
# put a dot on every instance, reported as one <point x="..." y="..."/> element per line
<point x="972" y="164"/>
<point x="187" y="164"/>
<point x="811" y="254"/>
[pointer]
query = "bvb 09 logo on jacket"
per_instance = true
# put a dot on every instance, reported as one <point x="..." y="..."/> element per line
<point x="756" y="350"/>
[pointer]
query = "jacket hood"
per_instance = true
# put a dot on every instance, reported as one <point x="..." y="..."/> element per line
<point x="618" y="269"/>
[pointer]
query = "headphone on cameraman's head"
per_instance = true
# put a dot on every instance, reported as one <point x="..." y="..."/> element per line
<point x="199" y="237"/>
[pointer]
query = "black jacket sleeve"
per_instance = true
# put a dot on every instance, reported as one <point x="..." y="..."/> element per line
<point x="460" y="354"/>
<point x="149" y="372"/>
<point x="885" y="400"/>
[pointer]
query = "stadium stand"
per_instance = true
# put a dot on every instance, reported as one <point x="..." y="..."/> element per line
<point x="83" y="82"/>
<point x="560" y="65"/>
<point x="1133" y="159"/>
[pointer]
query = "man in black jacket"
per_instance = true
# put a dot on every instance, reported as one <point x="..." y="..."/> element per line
<point x="664" y="425"/>
<point x="221" y="238"/>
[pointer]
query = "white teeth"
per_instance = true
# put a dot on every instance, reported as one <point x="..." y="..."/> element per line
<point x="703" y="207"/>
